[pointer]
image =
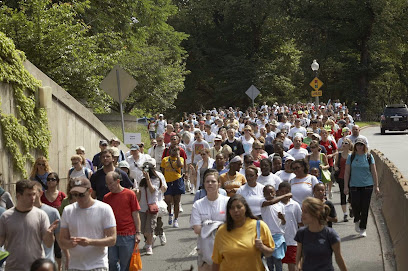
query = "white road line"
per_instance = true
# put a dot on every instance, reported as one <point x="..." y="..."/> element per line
<point x="193" y="252"/>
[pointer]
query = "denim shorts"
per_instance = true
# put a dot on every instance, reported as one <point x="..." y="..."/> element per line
<point x="175" y="187"/>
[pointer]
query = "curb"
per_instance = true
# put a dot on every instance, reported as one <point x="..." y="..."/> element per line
<point x="387" y="249"/>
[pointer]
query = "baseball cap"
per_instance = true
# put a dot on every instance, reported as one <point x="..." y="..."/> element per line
<point x="160" y="115"/>
<point x="116" y="151"/>
<point x="151" y="162"/>
<point x="274" y="123"/>
<point x="80" y="185"/>
<point x="290" y="158"/>
<point x="81" y="148"/>
<point x="361" y="140"/>
<point x="218" y="137"/>
<point x="123" y="164"/>
<point x="103" y="142"/>
<point x="316" y="135"/>
<point x="134" y="147"/>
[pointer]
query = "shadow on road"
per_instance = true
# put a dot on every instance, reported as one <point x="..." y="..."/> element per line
<point x="391" y="133"/>
<point x="183" y="259"/>
<point x="350" y="237"/>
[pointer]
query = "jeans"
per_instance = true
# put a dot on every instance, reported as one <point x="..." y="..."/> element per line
<point x="119" y="255"/>
<point x="360" y="202"/>
<point x="274" y="263"/>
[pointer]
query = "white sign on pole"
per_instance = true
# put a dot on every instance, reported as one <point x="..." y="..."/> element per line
<point x="133" y="138"/>
<point x="110" y="84"/>
<point x="252" y="92"/>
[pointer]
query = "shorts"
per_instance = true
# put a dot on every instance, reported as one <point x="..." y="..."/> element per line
<point x="175" y="187"/>
<point x="148" y="222"/>
<point x="290" y="256"/>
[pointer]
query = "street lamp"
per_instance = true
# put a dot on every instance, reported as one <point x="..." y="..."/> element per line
<point x="315" y="68"/>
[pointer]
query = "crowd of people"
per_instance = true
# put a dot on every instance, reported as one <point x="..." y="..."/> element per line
<point x="262" y="183"/>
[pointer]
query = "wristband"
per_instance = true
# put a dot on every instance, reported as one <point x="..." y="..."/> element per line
<point x="138" y="232"/>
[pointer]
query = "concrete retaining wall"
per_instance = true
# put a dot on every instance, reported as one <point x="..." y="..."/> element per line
<point x="71" y="125"/>
<point x="394" y="191"/>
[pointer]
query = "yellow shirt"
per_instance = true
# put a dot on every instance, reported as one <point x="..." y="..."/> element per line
<point x="171" y="171"/>
<point x="235" y="250"/>
<point x="229" y="182"/>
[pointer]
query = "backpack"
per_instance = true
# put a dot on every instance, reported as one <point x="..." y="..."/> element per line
<point x="86" y="172"/>
<point x="354" y="155"/>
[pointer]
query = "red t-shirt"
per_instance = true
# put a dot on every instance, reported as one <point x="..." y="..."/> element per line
<point x="330" y="147"/>
<point x="123" y="205"/>
<point x="303" y="145"/>
<point x="57" y="202"/>
<point x="342" y="167"/>
<point x="167" y="137"/>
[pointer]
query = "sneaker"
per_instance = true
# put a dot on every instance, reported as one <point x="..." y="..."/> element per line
<point x="357" y="226"/>
<point x="345" y="219"/>
<point x="170" y="219"/>
<point x="351" y="213"/>
<point x="363" y="233"/>
<point x="163" y="239"/>
<point x="175" y="224"/>
<point x="149" y="250"/>
<point x="3" y="256"/>
<point x="333" y="184"/>
<point x="330" y="195"/>
<point x="145" y="246"/>
<point x="180" y="208"/>
<point x="154" y="239"/>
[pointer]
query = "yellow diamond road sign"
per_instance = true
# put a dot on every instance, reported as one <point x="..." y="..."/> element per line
<point x="316" y="83"/>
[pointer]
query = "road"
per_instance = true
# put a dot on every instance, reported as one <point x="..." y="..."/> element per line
<point x="392" y="144"/>
<point x="363" y="254"/>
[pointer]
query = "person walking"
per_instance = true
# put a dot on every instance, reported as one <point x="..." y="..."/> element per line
<point x="126" y="210"/>
<point x="361" y="177"/>
<point x="88" y="228"/>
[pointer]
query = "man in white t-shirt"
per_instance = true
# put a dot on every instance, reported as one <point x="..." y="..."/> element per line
<point x="297" y="129"/>
<point x="355" y="133"/>
<point x="88" y="228"/>
<point x="161" y="125"/>
<point x="297" y="151"/>
<point x="208" y="135"/>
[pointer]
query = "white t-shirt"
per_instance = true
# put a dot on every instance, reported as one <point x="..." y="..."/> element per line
<point x="287" y="142"/>
<point x="252" y="195"/>
<point x="209" y="138"/>
<point x="270" y="217"/>
<point x="135" y="167"/>
<point x="161" y="126"/>
<point x="296" y="130"/>
<point x="247" y="144"/>
<point x="293" y="216"/>
<point x="204" y="209"/>
<point x="151" y="197"/>
<point x="285" y="176"/>
<point x="79" y="173"/>
<point x="271" y="179"/>
<point x="88" y="222"/>
<point x="284" y="125"/>
<point x="302" y="188"/>
<point x="298" y="153"/>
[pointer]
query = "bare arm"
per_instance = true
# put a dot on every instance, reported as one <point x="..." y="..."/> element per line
<point x="65" y="241"/>
<point x="108" y="241"/>
<point x="346" y="179"/>
<point x="299" y="256"/>
<point x="197" y="229"/>
<point x="48" y="237"/>
<point x="375" y="178"/>
<point x="276" y="199"/>
<point x="267" y="251"/>
<point x="338" y="257"/>
<point x="326" y="162"/>
<point x="136" y="220"/>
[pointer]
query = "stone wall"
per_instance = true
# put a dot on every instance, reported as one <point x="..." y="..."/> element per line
<point x="394" y="197"/>
<point x="71" y="125"/>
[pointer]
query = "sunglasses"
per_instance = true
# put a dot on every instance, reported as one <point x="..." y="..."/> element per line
<point x="296" y="168"/>
<point x="41" y="164"/>
<point x="346" y="143"/>
<point x="78" y="195"/>
<point x="51" y="179"/>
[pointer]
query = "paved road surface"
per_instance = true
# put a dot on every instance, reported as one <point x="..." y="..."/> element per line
<point x="363" y="254"/>
<point x="392" y="144"/>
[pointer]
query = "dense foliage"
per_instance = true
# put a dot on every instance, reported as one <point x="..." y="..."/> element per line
<point x="77" y="43"/>
<point x="195" y="54"/>
<point x="361" y="47"/>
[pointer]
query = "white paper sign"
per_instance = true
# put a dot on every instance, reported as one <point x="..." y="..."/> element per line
<point x="133" y="138"/>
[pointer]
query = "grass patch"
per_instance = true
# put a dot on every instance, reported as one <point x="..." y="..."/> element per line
<point x="138" y="128"/>
<point x="367" y="123"/>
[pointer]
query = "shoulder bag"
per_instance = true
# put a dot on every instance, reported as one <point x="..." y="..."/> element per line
<point x="326" y="175"/>
<point x="151" y="208"/>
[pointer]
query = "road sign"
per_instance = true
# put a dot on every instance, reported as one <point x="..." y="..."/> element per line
<point x="316" y="93"/>
<point x="252" y="92"/>
<point x="316" y="83"/>
<point x="126" y="83"/>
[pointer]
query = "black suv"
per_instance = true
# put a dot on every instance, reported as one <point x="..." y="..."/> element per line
<point x="395" y="118"/>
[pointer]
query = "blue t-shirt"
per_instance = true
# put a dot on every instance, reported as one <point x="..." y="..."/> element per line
<point x="360" y="170"/>
<point x="53" y="215"/>
<point x="317" y="248"/>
